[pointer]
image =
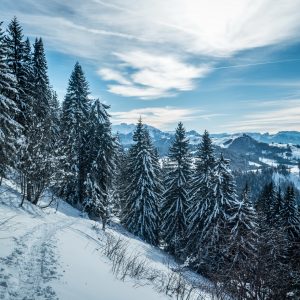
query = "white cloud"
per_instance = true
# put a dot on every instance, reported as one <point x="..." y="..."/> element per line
<point x="151" y="76"/>
<point x="113" y="75"/>
<point x="160" y="117"/>
<point x="167" y="34"/>
<point x="275" y="116"/>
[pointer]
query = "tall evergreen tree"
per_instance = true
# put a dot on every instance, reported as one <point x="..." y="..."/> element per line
<point x="42" y="92"/>
<point x="176" y="197"/>
<point x="217" y="221"/>
<point x="289" y="215"/>
<point x="101" y="153"/>
<point x="243" y="234"/>
<point x="265" y="203"/>
<point x="75" y="115"/>
<point x="141" y="211"/>
<point x="17" y="62"/>
<point x="202" y="195"/>
<point x="122" y="177"/>
<point x="39" y="160"/>
<point x="9" y="128"/>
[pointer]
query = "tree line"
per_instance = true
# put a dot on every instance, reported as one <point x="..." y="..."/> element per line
<point x="188" y="205"/>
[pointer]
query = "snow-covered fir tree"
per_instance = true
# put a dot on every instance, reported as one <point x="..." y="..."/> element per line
<point x="121" y="179"/>
<point x="76" y="107"/>
<point x="16" y="53"/>
<point x="276" y="208"/>
<point x="140" y="214"/>
<point x="217" y="220"/>
<point x="101" y="154"/>
<point x="176" y="197"/>
<point x="289" y="215"/>
<point x="38" y="161"/>
<point x="243" y="234"/>
<point x="9" y="127"/>
<point x="202" y="196"/>
<point x="265" y="203"/>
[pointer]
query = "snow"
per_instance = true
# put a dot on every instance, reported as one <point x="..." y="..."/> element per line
<point x="295" y="152"/>
<point x="252" y="163"/>
<point x="268" y="161"/>
<point x="49" y="254"/>
<point x="90" y="277"/>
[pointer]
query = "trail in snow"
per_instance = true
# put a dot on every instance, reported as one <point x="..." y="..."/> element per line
<point x="32" y="264"/>
<point x="48" y="255"/>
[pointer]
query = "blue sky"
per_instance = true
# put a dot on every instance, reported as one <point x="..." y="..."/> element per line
<point x="227" y="66"/>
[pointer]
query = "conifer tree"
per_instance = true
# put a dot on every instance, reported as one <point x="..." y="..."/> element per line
<point x="16" y="59"/>
<point x="243" y="234"/>
<point x="101" y="153"/>
<point x="202" y="195"/>
<point x="176" y="196"/>
<point x="140" y="215"/>
<point x="42" y="92"/>
<point x="265" y="203"/>
<point x="276" y="208"/>
<point x="39" y="160"/>
<point x="289" y="215"/>
<point x="75" y="114"/>
<point x="9" y="128"/>
<point x="217" y="221"/>
<point x="122" y="177"/>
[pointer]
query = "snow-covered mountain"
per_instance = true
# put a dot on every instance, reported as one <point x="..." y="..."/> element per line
<point x="281" y="137"/>
<point x="246" y="150"/>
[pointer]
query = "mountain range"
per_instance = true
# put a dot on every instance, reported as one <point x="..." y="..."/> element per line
<point x="247" y="151"/>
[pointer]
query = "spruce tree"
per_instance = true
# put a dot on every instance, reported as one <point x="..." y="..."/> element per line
<point x="39" y="160"/>
<point x="101" y="153"/>
<point x="122" y="178"/>
<point x="243" y="234"/>
<point x="176" y="196"/>
<point x="140" y="215"/>
<point x="16" y="59"/>
<point x="76" y="107"/>
<point x="9" y="128"/>
<point x="289" y="215"/>
<point x="217" y="221"/>
<point x="202" y="196"/>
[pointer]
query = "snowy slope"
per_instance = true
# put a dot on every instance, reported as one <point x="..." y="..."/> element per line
<point x="49" y="254"/>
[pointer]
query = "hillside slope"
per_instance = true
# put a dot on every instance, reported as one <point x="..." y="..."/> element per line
<point x="49" y="254"/>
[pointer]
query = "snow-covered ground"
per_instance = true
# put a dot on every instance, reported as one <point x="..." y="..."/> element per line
<point x="292" y="177"/>
<point x="49" y="254"/>
<point x="268" y="161"/>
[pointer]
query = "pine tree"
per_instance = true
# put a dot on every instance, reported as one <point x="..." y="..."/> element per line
<point x="140" y="215"/>
<point x="243" y="234"/>
<point x="39" y="159"/>
<point x="101" y="152"/>
<point x="276" y="208"/>
<point x="217" y="221"/>
<point x="42" y="92"/>
<point x="122" y="177"/>
<point x="9" y="128"/>
<point x="265" y="203"/>
<point x="74" y="129"/>
<point x="176" y="197"/>
<point x="16" y="60"/>
<point x="202" y="195"/>
<point x="289" y="215"/>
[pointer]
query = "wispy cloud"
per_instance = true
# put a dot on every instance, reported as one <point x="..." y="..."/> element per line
<point x="274" y="116"/>
<point x="157" y="42"/>
<point x="160" y="117"/>
<point x="150" y="76"/>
